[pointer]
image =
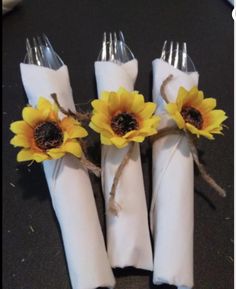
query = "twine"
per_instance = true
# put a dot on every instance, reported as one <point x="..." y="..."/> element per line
<point x="164" y="132"/>
<point x="113" y="206"/>
<point x="79" y="116"/>
<point x="204" y="174"/>
<point x="90" y="166"/>
<point x="163" y="86"/>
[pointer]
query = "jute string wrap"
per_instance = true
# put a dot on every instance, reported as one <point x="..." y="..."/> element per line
<point x="114" y="207"/>
<point x="191" y="140"/>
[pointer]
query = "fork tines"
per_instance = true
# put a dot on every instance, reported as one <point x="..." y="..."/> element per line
<point x="35" y="50"/>
<point x="174" y="56"/>
<point x="112" y="47"/>
<point x="38" y="41"/>
<point x="40" y="52"/>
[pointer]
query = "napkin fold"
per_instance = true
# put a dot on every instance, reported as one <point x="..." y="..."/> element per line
<point x="128" y="238"/>
<point x="71" y="191"/>
<point x="172" y="210"/>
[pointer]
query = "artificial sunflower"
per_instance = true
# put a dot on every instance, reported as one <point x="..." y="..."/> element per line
<point x="121" y="117"/>
<point x="43" y="136"/>
<point x="196" y="114"/>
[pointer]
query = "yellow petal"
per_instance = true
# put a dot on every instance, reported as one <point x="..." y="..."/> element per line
<point x="73" y="147"/>
<point x="182" y="93"/>
<point x="68" y="122"/>
<point x="138" y="138"/>
<point x="44" y="104"/>
<point x="147" y="131"/>
<point x="149" y="109"/>
<point x="131" y="134"/>
<point x="198" y="132"/>
<point x="179" y="120"/>
<point x="114" y="103"/>
<point x="194" y="97"/>
<point x="122" y="90"/>
<point x="217" y="116"/>
<point x="40" y="157"/>
<point x="33" y="116"/>
<point x="207" y="105"/>
<point x="102" y="122"/>
<point x="105" y="132"/>
<point x="138" y="103"/>
<point x="27" y="155"/>
<point x="24" y="155"/>
<point x="104" y="95"/>
<point x="206" y="134"/>
<point x="217" y="130"/>
<point x="99" y="119"/>
<point x="73" y="128"/>
<point x="152" y="122"/>
<point x="20" y="141"/>
<point x="192" y="129"/>
<point x="55" y="153"/>
<point x="100" y="106"/>
<point x="21" y="127"/>
<point x="78" y="132"/>
<point x="171" y="108"/>
<point x="94" y="127"/>
<point x="105" y="140"/>
<point x="119" y="142"/>
<point x="126" y="100"/>
<point x="53" y="116"/>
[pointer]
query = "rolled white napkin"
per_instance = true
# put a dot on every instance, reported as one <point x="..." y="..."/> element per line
<point x="71" y="191"/>
<point x="128" y="238"/>
<point x="172" y="211"/>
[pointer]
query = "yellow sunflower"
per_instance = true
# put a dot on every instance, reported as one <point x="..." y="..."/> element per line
<point x="43" y="136"/>
<point x="196" y="114"/>
<point x="121" y="117"/>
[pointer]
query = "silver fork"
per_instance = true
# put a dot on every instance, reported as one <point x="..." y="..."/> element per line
<point x="114" y="48"/>
<point x="40" y="52"/>
<point x="177" y="57"/>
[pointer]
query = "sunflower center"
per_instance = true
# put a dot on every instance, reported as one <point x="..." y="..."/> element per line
<point x="48" y="135"/>
<point x="192" y="116"/>
<point x="123" y="123"/>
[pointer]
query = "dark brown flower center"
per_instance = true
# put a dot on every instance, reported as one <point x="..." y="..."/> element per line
<point x="48" y="135"/>
<point x="123" y="123"/>
<point x="193" y="116"/>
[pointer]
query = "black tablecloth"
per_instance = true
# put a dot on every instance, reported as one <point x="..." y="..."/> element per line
<point x="33" y="255"/>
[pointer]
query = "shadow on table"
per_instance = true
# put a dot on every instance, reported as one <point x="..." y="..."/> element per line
<point x="32" y="182"/>
<point x="131" y="271"/>
<point x="205" y="198"/>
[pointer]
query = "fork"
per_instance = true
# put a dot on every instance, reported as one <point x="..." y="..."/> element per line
<point x="114" y="49"/>
<point x="40" y="52"/>
<point x="177" y="57"/>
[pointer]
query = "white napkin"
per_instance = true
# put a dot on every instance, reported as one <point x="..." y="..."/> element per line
<point x="128" y="238"/>
<point x="71" y="191"/>
<point x="172" y="211"/>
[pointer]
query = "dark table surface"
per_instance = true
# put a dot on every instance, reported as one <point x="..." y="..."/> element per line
<point x="33" y="255"/>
